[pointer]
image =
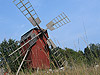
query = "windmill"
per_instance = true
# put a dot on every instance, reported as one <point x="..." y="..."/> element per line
<point x="35" y="43"/>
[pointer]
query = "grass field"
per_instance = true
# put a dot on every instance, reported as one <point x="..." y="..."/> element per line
<point x="75" y="70"/>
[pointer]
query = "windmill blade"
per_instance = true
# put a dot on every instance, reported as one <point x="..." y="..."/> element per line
<point x="24" y="52"/>
<point x="57" y="22"/>
<point x="24" y="44"/>
<point x="28" y="11"/>
<point x="58" y="56"/>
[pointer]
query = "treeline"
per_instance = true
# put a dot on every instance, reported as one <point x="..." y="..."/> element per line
<point x="7" y="62"/>
<point x="90" y="55"/>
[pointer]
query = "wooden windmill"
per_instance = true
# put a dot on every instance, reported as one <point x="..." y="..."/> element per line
<point x="35" y="43"/>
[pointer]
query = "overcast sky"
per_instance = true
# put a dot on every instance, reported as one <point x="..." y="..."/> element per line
<point x="84" y="25"/>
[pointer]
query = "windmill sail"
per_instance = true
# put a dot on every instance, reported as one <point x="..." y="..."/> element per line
<point x="23" y="52"/>
<point x="57" y="22"/>
<point x="28" y="11"/>
<point x="58" y="56"/>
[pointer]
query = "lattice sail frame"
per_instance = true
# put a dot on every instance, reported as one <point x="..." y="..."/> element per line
<point x="58" y="56"/>
<point x="57" y="22"/>
<point x="28" y="11"/>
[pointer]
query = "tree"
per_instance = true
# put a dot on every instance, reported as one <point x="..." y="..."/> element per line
<point x="92" y="53"/>
<point x="7" y="47"/>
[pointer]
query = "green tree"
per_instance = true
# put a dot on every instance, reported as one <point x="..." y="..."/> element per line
<point x="7" y="47"/>
<point x="92" y="53"/>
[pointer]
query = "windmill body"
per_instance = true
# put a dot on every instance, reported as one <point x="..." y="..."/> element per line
<point x="38" y="56"/>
